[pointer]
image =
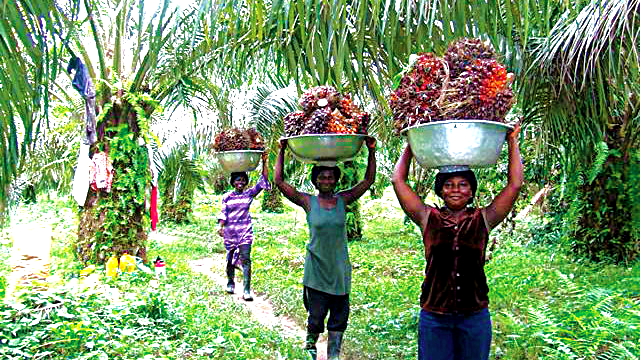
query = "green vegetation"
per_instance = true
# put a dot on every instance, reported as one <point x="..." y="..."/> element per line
<point x="94" y="317"/>
<point x="564" y="281"/>
<point x="544" y="304"/>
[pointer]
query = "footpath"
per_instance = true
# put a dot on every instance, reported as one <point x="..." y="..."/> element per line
<point x="30" y="257"/>
<point x="260" y="308"/>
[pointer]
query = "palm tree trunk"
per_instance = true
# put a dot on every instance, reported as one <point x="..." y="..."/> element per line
<point x="354" y="220"/>
<point x="115" y="222"/>
<point x="608" y="228"/>
<point x="272" y="201"/>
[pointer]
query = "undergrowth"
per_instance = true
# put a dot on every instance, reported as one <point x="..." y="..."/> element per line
<point x="545" y="302"/>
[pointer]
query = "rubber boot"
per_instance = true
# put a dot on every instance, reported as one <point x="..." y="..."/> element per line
<point x="231" y="285"/>
<point x="310" y="344"/>
<point x="246" y="272"/>
<point x="334" y="344"/>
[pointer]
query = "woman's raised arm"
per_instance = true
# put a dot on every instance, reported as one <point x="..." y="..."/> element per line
<point x="502" y="204"/>
<point x="287" y="190"/>
<point x="409" y="200"/>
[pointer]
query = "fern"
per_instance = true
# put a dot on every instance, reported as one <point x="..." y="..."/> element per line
<point x="593" y="324"/>
<point x="634" y="193"/>
<point x="616" y="352"/>
<point x="602" y="153"/>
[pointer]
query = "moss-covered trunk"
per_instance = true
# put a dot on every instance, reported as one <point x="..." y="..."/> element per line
<point x="180" y="210"/>
<point x="116" y="221"/>
<point x="272" y="201"/>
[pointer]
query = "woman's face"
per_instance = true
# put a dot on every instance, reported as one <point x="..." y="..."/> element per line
<point x="239" y="184"/>
<point x="456" y="192"/>
<point x="326" y="181"/>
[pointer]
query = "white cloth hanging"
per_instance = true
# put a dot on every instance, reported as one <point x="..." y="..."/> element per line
<point x="81" y="176"/>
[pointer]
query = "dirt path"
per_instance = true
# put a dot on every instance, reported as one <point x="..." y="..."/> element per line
<point x="30" y="257"/>
<point x="261" y="308"/>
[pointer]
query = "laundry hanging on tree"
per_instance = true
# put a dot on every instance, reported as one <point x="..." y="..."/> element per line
<point x="101" y="172"/>
<point x="82" y="82"/>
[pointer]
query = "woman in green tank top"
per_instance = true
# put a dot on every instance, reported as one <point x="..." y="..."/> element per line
<point x="327" y="269"/>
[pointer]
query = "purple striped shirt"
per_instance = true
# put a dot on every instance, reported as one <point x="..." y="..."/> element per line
<point x="235" y="214"/>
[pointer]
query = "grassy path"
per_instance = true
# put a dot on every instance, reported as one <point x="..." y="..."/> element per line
<point x="260" y="308"/>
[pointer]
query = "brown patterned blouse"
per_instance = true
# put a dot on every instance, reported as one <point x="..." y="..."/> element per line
<point x="454" y="281"/>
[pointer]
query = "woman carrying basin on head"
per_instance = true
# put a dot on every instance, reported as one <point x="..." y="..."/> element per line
<point x="236" y="227"/>
<point x="327" y="269"/>
<point x="454" y="319"/>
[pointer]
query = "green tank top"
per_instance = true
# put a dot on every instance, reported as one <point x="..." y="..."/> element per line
<point x="327" y="267"/>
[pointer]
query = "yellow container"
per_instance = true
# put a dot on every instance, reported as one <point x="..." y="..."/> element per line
<point x="127" y="263"/>
<point x="112" y="267"/>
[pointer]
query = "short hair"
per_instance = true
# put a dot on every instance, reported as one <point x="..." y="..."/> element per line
<point x="317" y="169"/>
<point x="442" y="177"/>
<point x="235" y="175"/>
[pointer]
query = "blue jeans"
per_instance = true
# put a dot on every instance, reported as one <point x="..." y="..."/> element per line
<point x="454" y="337"/>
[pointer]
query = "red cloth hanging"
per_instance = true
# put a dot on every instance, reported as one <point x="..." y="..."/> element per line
<point x="101" y="172"/>
<point x="154" y="207"/>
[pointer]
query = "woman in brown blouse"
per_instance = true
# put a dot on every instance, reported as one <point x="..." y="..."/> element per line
<point x="454" y="318"/>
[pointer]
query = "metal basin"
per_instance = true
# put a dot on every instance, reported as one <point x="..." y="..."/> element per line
<point x="239" y="160"/>
<point x="474" y="143"/>
<point x="325" y="149"/>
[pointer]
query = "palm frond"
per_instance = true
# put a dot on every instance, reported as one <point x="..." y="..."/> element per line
<point x="269" y="105"/>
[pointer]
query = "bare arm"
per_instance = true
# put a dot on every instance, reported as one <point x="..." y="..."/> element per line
<point x="409" y="200"/>
<point x="287" y="190"/>
<point x="221" y="229"/>
<point x="360" y="188"/>
<point x="502" y="204"/>
<point x="265" y="168"/>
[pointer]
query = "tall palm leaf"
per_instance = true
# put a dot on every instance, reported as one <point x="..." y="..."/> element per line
<point x="583" y="90"/>
<point x="30" y="48"/>
<point x="268" y="106"/>
<point x="180" y="174"/>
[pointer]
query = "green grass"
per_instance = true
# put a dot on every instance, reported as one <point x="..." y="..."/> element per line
<point x="185" y="316"/>
<point x="544" y="303"/>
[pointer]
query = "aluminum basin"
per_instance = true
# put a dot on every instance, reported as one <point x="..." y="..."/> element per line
<point x="239" y="160"/>
<point x="325" y="149"/>
<point x="475" y="143"/>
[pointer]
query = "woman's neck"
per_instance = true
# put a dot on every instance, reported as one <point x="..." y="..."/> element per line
<point x="326" y="195"/>
<point x="453" y="211"/>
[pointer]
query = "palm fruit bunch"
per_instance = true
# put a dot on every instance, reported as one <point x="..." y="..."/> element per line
<point x="480" y="89"/>
<point x="414" y="100"/>
<point x="326" y="111"/>
<point x="238" y="139"/>
<point x="257" y="141"/>
<point x="467" y="83"/>
<point x="294" y="123"/>
<point x="464" y="52"/>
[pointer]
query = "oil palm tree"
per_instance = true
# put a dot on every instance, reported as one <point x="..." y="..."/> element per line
<point x="138" y="58"/>
<point x="583" y="89"/>
<point x="569" y="57"/>
<point x="359" y="46"/>
<point x="181" y="173"/>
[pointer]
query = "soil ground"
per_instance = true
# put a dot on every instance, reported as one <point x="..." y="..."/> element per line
<point x="30" y="257"/>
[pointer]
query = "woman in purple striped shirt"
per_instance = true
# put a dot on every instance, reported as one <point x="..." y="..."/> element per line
<point x="235" y="225"/>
